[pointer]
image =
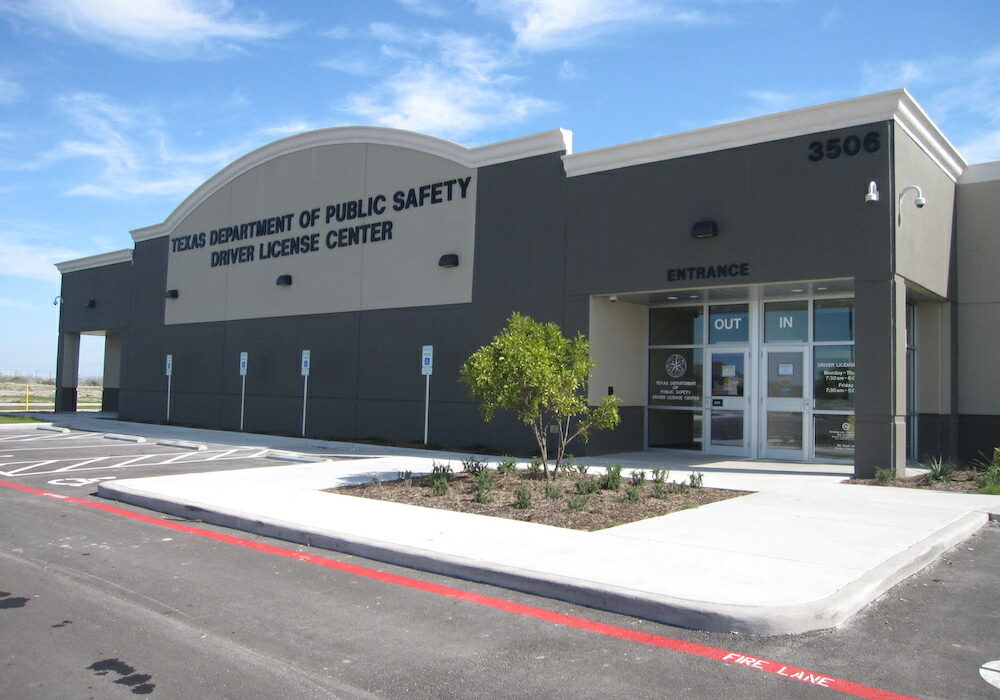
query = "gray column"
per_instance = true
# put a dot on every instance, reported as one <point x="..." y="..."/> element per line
<point x="112" y="370"/>
<point x="880" y="387"/>
<point x="67" y="371"/>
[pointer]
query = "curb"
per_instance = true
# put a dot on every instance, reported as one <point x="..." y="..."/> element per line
<point x="183" y="444"/>
<point x="825" y="613"/>
<point x="124" y="438"/>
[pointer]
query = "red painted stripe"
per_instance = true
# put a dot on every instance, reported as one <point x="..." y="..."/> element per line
<point x="656" y="640"/>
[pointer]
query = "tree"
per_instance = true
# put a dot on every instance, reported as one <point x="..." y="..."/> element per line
<point x="539" y="374"/>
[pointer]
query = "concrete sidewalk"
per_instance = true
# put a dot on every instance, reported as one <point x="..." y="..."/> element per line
<point x="803" y="552"/>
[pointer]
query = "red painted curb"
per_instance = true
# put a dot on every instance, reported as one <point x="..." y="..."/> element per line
<point x="692" y="648"/>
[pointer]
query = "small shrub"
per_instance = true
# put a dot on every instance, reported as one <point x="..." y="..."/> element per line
<point x="941" y="469"/>
<point x="660" y="475"/>
<point x="638" y="477"/>
<point x="659" y="490"/>
<point x="483" y="496"/>
<point x="471" y="465"/>
<point x="535" y="468"/>
<point x="553" y="491"/>
<point x="677" y="487"/>
<point x="696" y="480"/>
<point x="507" y="466"/>
<point x="579" y="502"/>
<point x="522" y="497"/>
<point x="438" y="485"/>
<point x="444" y="470"/>
<point x="584" y="486"/>
<point x="633" y="494"/>
<point x="484" y="480"/>
<point x="582" y="469"/>
<point x="884" y="475"/>
<point x="406" y="476"/>
<point x="376" y="480"/>
<point x="612" y="479"/>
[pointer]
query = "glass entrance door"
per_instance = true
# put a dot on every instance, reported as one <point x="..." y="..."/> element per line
<point x="786" y="404"/>
<point x="726" y="403"/>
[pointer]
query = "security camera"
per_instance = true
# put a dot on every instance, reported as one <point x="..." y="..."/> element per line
<point x="920" y="202"/>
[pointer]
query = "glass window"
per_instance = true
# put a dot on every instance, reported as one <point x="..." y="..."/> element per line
<point x="727" y="374"/>
<point x="727" y="428"/>
<point x="729" y="323"/>
<point x="680" y="430"/>
<point x="786" y="321"/>
<point x="834" y="436"/>
<point x="675" y="377"/>
<point x="676" y="326"/>
<point x="784" y="375"/>
<point x="784" y="430"/>
<point x="833" y="377"/>
<point x="833" y="319"/>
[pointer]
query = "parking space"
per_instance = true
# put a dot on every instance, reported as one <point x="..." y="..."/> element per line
<point x="74" y="459"/>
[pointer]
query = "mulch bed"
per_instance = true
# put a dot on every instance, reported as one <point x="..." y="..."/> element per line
<point x="604" y="508"/>
<point x="961" y="481"/>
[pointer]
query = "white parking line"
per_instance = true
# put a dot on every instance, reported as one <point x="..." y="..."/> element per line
<point x="77" y="464"/>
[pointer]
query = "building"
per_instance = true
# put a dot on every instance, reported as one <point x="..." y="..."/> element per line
<point x="814" y="285"/>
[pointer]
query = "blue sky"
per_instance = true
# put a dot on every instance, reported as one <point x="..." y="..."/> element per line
<point x="112" y="111"/>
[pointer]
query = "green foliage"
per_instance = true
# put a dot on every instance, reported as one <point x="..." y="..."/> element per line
<point x="884" y="475"/>
<point x="612" y="479"/>
<point x="660" y="475"/>
<point x="438" y="484"/>
<point x="540" y="375"/>
<point x="444" y="470"/>
<point x="535" y="467"/>
<point x="553" y="491"/>
<point x="471" y="465"/>
<point x="483" y="496"/>
<point x="582" y="469"/>
<point x="633" y="493"/>
<point x="579" y="502"/>
<point x="638" y="477"/>
<point x="988" y="473"/>
<point x="696" y="480"/>
<point x="522" y="497"/>
<point x="587" y="486"/>
<point x="406" y="476"/>
<point x="484" y="480"/>
<point x="507" y="466"/>
<point x="659" y="490"/>
<point x="941" y="469"/>
<point x="376" y="480"/>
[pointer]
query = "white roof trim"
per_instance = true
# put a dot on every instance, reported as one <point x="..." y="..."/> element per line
<point x="895" y="104"/>
<point x="113" y="258"/>
<point x="981" y="172"/>
<point x="514" y="149"/>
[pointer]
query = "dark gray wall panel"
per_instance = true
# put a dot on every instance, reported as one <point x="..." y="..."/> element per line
<point x="109" y="286"/>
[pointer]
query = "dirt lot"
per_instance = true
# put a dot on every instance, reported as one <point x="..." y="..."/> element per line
<point x="42" y="393"/>
<point x="556" y="502"/>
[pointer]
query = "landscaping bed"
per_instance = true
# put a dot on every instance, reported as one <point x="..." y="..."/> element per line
<point x="982" y="476"/>
<point x="572" y="500"/>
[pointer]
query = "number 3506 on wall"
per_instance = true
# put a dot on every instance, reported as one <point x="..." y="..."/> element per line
<point x="847" y="146"/>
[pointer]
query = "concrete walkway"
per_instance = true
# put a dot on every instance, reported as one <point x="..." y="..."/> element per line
<point x="803" y="552"/>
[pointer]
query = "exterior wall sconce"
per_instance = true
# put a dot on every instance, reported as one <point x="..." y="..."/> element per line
<point x="57" y="301"/>
<point x="91" y="303"/>
<point x="872" y="195"/>
<point x="448" y="260"/>
<point x="284" y="281"/>
<point x="704" y="229"/>
<point x="171" y="294"/>
<point x="919" y="201"/>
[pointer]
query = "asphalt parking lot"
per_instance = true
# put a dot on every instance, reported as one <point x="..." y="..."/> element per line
<point x="74" y="460"/>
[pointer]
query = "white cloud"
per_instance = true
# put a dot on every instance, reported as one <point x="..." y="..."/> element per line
<point x="569" y="72"/>
<point x="338" y="32"/>
<point x="10" y="91"/>
<point x="431" y="8"/>
<point x="449" y="84"/>
<point x="352" y="65"/>
<point x="160" y="28"/>
<point x="540" y="25"/>
<point x="15" y="304"/>
<point x="36" y="257"/>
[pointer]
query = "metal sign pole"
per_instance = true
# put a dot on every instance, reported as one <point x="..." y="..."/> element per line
<point x="243" y="389"/>
<point x="427" y="404"/>
<point x="427" y="369"/>
<point x="305" y="386"/>
<point x="170" y="377"/>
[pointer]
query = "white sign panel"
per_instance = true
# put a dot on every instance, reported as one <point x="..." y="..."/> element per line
<point x="170" y="365"/>
<point x="243" y="364"/>
<point x="305" y="363"/>
<point x="427" y="360"/>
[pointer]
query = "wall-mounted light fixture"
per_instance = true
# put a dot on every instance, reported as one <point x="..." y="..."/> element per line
<point x="171" y="294"/>
<point x="448" y="260"/>
<point x="284" y="281"/>
<point x="91" y="303"/>
<point x="872" y="195"/>
<point x="704" y="229"/>
<point x="919" y="201"/>
<point x="612" y="298"/>
<point x="57" y="301"/>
